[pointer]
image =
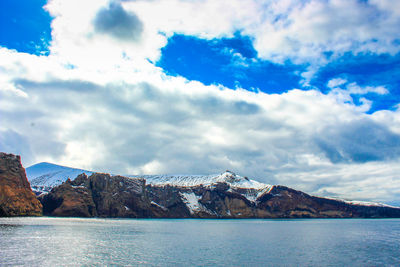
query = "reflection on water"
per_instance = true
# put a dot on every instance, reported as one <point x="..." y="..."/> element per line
<point x="6" y="226"/>
<point x="74" y="241"/>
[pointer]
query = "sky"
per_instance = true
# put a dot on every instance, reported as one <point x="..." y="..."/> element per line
<point x="300" y="93"/>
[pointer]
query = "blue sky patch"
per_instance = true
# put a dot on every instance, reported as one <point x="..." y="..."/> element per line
<point x="365" y="70"/>
<point x="231" y="62"/>
<point x="25" y="26"/>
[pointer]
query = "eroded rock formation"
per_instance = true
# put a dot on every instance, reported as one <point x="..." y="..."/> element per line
<point x="16" y="196"/>
<point x="103" y="195"/>
<point x="99" y="195"/>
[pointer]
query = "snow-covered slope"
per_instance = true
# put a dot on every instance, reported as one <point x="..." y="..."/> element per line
<point x="250" y="189"/>
<point x="362" y="203"/>
<point x="228" y="177"/>
<point x="44" y="176"/>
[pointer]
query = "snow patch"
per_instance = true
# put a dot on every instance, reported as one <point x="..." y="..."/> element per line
<point x="366" y="203"/>
<point x="158" y="205"/>
<point x="362" y="203"/>
<point x="78" y="186"/>
<point x="253" y="194"/>
<point x="192" y="202"/>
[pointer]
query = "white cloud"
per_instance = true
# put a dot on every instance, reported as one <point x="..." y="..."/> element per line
<point x="311" y="28"/>
<point x="342" y="90"/>
<point x="77" y="41"/>
<point x="336" y="82"/>
<point x="354" y="88"/>
<point x="301" y="31"/>
<point x="162" y="124"/>
<point x="115" y="111"/>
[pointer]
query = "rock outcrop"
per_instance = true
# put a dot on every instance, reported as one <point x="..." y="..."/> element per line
<point x="223" y="196"/>
<point x="103" y="195"/>
<point x="223" y="201"/>
<point x="99" y="195"/>
<point x="16" y="196"/>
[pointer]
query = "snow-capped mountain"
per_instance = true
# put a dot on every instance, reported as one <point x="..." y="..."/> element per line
<point x="193" y="180"/>
<point x="248" y="188"/>
<point x="363" y="203"/>
<point x="44" y="176"/>
<point x="103" y="195"/>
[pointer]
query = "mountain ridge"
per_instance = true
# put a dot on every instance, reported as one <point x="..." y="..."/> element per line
<point x="44" y="176"/>
<point x="103" y="195"/>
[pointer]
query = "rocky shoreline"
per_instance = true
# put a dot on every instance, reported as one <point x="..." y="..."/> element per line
<point x="103" y="195"/>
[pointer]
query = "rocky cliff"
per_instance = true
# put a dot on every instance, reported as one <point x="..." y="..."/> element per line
<point x="223" y="197"/>
<point x="16" y="196"/>
<point x="99" y="195"/>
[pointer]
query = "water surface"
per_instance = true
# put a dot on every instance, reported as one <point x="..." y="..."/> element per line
<point x="188" y="242"/>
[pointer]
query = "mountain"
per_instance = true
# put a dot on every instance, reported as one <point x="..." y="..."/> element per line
<point x="44" y="176"/>
<point x="16" y="196"/>
<point x="226" y="195"/>
<point x="193" y="180"/>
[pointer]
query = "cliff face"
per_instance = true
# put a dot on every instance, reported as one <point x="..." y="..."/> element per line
<point x="223" y="201"/>
<point x="16" y="196"/>
<point x="116" y="196"/>
<point x="227" y="196"/>
<point x="99" y="195"/>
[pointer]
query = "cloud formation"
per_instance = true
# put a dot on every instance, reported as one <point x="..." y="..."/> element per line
<point x="359" y="141"/>
<point x="313" y="32"/>
<point x="100" y="103"/>
<point x="114" y="20"/>
<point x="170" y="125"/>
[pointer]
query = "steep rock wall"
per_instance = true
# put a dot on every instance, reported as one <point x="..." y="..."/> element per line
<point x="103" y="195"/>
<point x="16" y="196"/>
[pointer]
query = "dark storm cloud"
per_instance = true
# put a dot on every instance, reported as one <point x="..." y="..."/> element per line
<point x="19" y="143"/>
<point x="117" y="22"/>
<point x="360" y="141"/>
<point x="12" y="142"/>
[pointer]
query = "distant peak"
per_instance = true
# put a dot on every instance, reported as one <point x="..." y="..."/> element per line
<point x="230" y="177"/>
<point x="44" y="163"/>
<point x="229" y="173"/>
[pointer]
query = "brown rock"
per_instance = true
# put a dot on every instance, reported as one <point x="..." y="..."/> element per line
<point x="100" y="195"/>
<point x="16" y="196"/>
<point x="116" y="196"/>
<point x="69" y="200"/>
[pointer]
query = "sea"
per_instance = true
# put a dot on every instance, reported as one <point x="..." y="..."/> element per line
<point x="47" y="241"/>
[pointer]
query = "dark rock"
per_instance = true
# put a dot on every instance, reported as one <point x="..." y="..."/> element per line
<point x="16" y="196"/>
<point x="69" y="200"/>
<point x="100" y="195"/>
<point x="116" y="196"/>
<point x="119" y="196"/>
<point x="284" y="202"/>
